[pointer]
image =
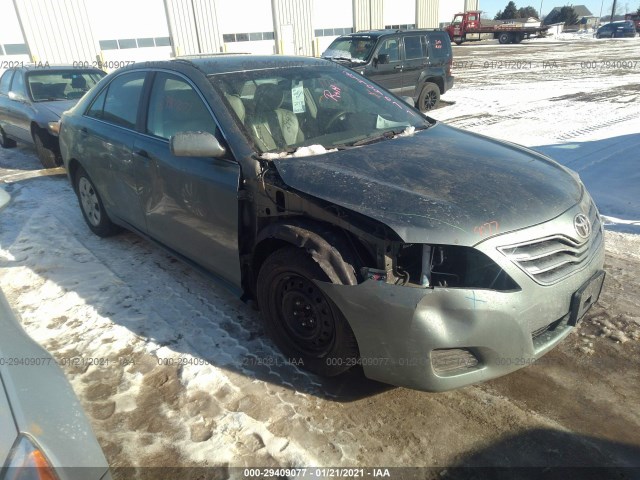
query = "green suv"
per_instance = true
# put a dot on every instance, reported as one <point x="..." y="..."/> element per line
<point x="411" y="63"/>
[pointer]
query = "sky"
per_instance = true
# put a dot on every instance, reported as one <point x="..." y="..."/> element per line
<point x="492" y="6"/>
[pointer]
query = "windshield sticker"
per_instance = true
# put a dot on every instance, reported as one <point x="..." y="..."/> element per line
<point x="333" y="93"/>
<point x="297" y="98"/>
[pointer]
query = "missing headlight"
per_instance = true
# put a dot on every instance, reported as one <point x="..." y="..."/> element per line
<point x="446" y="266"/>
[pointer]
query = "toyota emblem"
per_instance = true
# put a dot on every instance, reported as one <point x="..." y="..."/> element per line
<point x="582" y="225"/>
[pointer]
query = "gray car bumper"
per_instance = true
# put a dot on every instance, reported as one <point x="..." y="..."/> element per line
<point x="403" y="332"/>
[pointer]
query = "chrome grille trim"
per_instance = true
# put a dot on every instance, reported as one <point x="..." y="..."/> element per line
<point x="551" y="259"/>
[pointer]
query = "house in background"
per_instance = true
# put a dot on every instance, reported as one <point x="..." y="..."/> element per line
<point x="586" y="20"/>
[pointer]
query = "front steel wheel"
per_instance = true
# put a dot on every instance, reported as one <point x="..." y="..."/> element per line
<point x="303" y="322"/>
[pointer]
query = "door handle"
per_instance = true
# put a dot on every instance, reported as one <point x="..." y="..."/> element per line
<point x="141" y="153"/>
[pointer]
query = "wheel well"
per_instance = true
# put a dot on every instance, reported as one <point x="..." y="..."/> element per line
<point x="72" y="168"/>
<point x="437" y="81"/>
<point x="336" y="251"/>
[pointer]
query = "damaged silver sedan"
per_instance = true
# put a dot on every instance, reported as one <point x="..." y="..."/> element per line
<point x="367" y="233"/>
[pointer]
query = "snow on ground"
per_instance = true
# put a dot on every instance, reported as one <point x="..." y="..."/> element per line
<point x="578" y="103"/>
<point x="175" y="371"/>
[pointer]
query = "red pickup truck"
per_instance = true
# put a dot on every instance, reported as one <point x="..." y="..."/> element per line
<point x="635" y="18"/>
<point x="469" y="27"/>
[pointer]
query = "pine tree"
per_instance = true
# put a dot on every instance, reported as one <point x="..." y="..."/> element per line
<point x="509" y="12"/>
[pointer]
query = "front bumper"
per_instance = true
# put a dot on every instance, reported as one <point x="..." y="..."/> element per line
<point x="398" y="328"/>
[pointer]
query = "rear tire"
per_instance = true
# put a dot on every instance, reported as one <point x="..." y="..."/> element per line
<point x="91" y="205"/>
<point x="5" y="141"/>
<point x="302" y="321"/>
<point x="49" y="157"/>
<point x="504" y="38"/>
<point x="429" y="98"/>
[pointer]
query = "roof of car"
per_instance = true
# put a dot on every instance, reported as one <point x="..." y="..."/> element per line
<point x="225" y="63"/>
<point x="388" y="31"/>
<point x="46" y="66"/>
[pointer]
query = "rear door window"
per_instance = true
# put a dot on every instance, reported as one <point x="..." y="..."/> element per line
<point x="413" y="47"/>
<point x="5" y="82"/>
<point x="118" y="103"/>
<point x="18" y="85"/>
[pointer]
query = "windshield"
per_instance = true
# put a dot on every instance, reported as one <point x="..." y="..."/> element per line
<point x="457" y="20"/>
<point x="48" y="85"/>
<point x="357" y="48"/>
<point x="281" y="110"/>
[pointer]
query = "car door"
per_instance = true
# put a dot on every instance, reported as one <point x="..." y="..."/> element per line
<point x="415" y="61"/>
<point x="20" y="110"/>
<point x="190" y="203"/>
<point x="5" y="103"/>
<point x="389" y="73"/>
<point x="106" y="139"/>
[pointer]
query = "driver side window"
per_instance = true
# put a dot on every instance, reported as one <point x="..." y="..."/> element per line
<point x="176" y="107"/>
<point x="391" y="48"/>
<point x="18" y="85"/>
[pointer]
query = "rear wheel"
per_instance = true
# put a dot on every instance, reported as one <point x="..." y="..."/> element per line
<point x="504" y="38"/>
<point x="91" y="205"/>
<point x="47" y="151"/>
<point x="303" y="322"/>
<point x="5" y="141"/>
<point x="429" y="98"/>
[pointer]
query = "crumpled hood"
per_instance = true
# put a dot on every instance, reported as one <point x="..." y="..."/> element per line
<point x="58" y="107"/>
<point x="441" y="185"/>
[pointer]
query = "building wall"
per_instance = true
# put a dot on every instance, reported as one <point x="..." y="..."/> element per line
<point x="448" y="8"/>
<point x="293" y="27"/>
<point x="13" y="47"/>
<point x="471" y="5"/>
<point x="246" y="33"/>
<point x="123" y="37"/>
<point x="427" y="13"/>
<point x="368" y="14"/>
<point x="399" y="14"/>
<point x="331" y="18"/>
<point x="57" y="31"/>
<point x="67" y="31"/>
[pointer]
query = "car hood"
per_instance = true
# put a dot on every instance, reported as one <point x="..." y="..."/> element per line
<point x="58" y="107"/>
<point x="441" y="185"/>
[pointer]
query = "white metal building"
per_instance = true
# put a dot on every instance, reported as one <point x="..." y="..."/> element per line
<point x="68" y="31"/>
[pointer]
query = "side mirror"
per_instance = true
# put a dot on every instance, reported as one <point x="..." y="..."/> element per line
<point x="16" y="97"/>
<point x="383" y="58"/>
<point x="196" y="144"/>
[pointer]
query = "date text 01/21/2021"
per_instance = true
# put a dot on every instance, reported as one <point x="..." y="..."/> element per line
<point x="324" y="472"/>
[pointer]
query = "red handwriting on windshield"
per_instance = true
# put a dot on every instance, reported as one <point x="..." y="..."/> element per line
<point x="333" y="93"/>
<point x="377" y="93"/>
<point x="488" y="228"/>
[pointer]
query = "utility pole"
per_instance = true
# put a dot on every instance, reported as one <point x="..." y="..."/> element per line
<point x="613" y="10"/>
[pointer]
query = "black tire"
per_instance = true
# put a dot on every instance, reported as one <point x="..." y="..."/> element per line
<point x="429" y="98"/>
<point x="91" y="205"/>
<point x="303" y="322"/>
<point x="517" y="38"/>
<point x="6" y="142"/>
<point x="504" y="38"/>
<point x="47" y="153"/>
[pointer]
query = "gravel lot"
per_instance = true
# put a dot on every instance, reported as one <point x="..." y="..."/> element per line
<point x="187" y="377"/>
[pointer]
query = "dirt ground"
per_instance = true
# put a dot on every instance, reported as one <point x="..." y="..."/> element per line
<point x="234" y="402"/>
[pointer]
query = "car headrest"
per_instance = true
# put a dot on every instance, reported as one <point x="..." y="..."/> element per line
<point x="268" y="97"/>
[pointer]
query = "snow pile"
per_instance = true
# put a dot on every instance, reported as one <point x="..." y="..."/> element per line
<point x="300" y="152"/>
<point x="407" y="132"/>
